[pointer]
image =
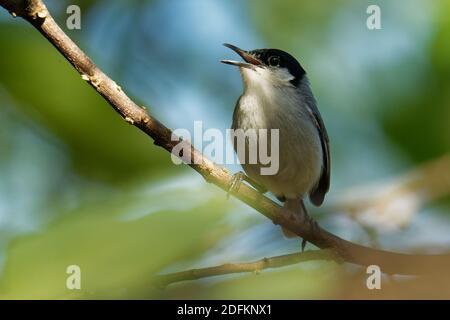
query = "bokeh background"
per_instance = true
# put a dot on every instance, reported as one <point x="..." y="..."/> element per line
<point x="80" y="186"/>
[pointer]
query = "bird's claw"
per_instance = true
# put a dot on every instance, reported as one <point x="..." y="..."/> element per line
<point x="237" y="179"/>
<point x="304" y="242"/>
<point x="235" y="183"/>
<point x="315" y="228"/>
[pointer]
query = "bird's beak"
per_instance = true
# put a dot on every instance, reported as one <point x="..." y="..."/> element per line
<point x="250" y="60"/>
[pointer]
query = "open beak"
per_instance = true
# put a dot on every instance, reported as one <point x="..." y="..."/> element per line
<point x="250" y="60"/>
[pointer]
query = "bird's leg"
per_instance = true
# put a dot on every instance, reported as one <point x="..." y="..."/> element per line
<point x="235" y="183"/>
<point x="237" y="179"/>
<point x="304" y="242"/>
<point x="297" y="209"/>
<point x="314" y="226"/>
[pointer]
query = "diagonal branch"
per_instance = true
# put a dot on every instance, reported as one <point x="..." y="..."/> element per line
<point x="35" y="12"/>
<point x="254" y="266"/>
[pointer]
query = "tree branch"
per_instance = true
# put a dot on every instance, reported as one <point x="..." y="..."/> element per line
<point x="254" y="266"/>
<point x="35" y="12"/>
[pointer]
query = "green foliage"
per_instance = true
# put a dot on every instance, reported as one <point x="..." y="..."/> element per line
<point x="50" y="91"/>
<point x="419" y="122"/>
<point x="118" y="257"/>
<point x="403" y="97"/>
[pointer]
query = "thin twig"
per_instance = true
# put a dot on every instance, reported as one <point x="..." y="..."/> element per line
<point x="428" y="182"/>
<point x="254" y="266"/>
<point x="35" y="12"/>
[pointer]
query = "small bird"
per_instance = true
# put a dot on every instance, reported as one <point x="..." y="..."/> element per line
<point x="277" y="95"/>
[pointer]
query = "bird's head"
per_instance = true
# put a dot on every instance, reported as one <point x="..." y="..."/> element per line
<point x="267" y="67"/>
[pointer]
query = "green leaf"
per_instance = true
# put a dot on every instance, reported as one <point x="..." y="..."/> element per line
<point x="47" y="88"/>
<point x="118" y="258"/>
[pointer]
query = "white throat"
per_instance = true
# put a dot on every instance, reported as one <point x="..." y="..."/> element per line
<point x="269" y="89"/>
<point x="265" y="78"/>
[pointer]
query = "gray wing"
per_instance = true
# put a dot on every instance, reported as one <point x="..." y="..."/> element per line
<point x="317" y="195"/>
<point x="236" y="115"/>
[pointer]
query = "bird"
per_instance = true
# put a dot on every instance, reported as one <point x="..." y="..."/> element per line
<point x="277" y="95"/>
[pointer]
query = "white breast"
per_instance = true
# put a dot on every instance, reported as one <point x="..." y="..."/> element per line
<point x="267" y="106"/>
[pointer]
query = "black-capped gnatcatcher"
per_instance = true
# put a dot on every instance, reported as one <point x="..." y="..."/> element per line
<point x="277" y="95"/>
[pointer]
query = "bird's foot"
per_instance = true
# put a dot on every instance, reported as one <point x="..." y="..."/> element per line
<point x="236" y="181"/>
<point x="314" y="227"/>
<point x="304" y="242"/>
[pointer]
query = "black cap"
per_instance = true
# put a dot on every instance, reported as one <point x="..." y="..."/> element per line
<point x="282" y="59"/>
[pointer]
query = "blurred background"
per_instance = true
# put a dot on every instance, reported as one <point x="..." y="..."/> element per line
<point x="80" y="186"/>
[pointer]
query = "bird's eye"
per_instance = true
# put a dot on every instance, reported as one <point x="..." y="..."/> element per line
<point x="274" y="61"/>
